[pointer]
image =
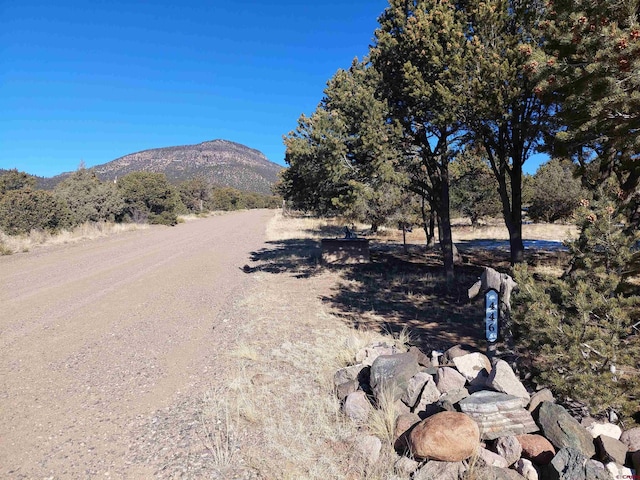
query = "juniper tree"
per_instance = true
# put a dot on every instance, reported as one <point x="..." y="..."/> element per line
<point x="556" y="192"/>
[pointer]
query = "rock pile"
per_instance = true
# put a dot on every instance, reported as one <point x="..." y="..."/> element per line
<point x="463" y="415"/>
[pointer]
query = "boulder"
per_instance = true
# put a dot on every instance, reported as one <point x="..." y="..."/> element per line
<point x="449" y="379"/>
<point x="357" y="406"/>
<point x="536" y="448"/>
<point x="415" y="385"/>
<point x="525" y="468"/>
<point x="448" y="401"/>
<point x="570" y="464"/>
<point x="445" y="436"/>
<point x="498" y="414"/>
<point x="503" y="379"/>
<point x="436" y="470"/>
<point x="631" y="438"/>
<point x="609" y="429"/>
<point x="474" y="366"/>
<point x="564" y="431"/>
<point x="509" y="448"/>
<point x="609" y="449"/>
<point x="390" y="375"/>
<point x="537" y="398"/>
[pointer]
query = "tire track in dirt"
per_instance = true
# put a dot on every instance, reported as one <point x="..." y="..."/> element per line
<point x="97" y="336"/>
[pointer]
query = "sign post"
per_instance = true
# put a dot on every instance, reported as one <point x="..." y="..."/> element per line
<point x="491" y="320"/>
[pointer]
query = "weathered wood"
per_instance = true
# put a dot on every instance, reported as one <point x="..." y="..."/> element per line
<point x="345" y="250"/>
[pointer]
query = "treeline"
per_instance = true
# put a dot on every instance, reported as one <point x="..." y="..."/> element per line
<point x="137" y="197"/>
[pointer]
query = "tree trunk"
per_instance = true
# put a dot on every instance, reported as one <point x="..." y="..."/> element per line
<point x="515" y="224"/>
<point x="428" y="223"/>
<point x="444" y="226"/>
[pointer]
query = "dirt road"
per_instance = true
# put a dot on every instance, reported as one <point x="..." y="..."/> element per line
<point x="97" y="337"/>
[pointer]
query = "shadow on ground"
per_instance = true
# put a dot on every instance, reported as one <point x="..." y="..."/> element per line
<point x="300" y="257"/>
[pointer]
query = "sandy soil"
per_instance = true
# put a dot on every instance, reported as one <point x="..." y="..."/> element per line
<point x="107" y="345"/>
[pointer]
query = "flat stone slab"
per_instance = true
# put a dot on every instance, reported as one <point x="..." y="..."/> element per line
<point x="498" y="414"/>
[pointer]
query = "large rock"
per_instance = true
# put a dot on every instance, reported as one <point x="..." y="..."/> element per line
<point x="503" y="379"/>
<point x="563" y="430"/>
<point x="445" y="436"/>
<point x="449" y="379"/>
<point x="390" y="375"/>
<point x="508" y="448"/>
<point x="536" y="448"/>
<point x="570" y="464"/>
<point x="631" y="438"/>
<point x="415" y="385"/>
<point x="357" y="406"/>
<point x="498" y="414"/>
<point x="610" y="450"/>
<point x="474" y="366"/>
<point x="435" y="470"/>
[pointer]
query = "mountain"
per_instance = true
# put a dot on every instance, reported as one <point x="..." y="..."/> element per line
<point x="223" y="163"/>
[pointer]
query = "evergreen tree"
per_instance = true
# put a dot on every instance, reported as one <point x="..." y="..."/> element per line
<point x="25" y="209"/>
<point x="556" y="192"/>
<point x="150" y="197"/>
<point x="15" y="180"/>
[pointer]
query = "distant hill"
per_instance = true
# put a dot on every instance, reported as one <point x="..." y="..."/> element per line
<point x="222" y="162"/>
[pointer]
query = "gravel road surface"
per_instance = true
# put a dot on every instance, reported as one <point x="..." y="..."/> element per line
<point x="103" y="341"/>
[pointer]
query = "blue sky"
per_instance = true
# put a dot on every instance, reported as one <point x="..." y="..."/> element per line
<point x="93" y="81"/>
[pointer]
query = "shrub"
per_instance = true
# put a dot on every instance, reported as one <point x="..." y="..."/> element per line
<point x="150" y="196"/>
<point x="24" y="210"/>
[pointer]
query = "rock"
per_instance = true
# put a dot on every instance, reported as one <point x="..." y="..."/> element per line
<point x="487" y="457"/>
<point x="356" y="406"/>
<point x="495" y="473"/>
<point x="503" y="379"/>
<point x="536" y="448"/>
<point x="367" y="355"/>
<point x="498" y="414"/>
<point x="422" y="359"/>
<point x="404" y="423"/>
<point x="346" y="374"/>
<point x="445" y="436"/>
<point x="406" y="466"/>
<point x="448" y="401"/>
<point x="368" y="447"/>
<point x="449" y="379"/>
<point x="631" y="438"/>
<point x="618" y="471"/>
<point x="537" y="398"/>
<point x="436" y="470"/>
<point x="427" y="404"/>
<point x="508" y="448"/>
<point x="474" y="366"/>
<point x="563" y="430"/>
<point x="570" y="464"/>
<point x="414" y="388"/>
<point x="609" y="429"/>
<point x="453" y="352"/>
<point x="400" y="407"/>
<point x="390" y="375"/>
<point x="525" y="468"/>
<point x="344" y="389"/>
<point x="610" y="450"/>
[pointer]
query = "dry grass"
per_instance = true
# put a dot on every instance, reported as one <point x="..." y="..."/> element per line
<point x="88" y="231"/>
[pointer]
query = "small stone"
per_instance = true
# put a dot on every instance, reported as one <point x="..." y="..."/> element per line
<point x="491" y="458"/>
<point x="347" y="374"/>
<point x="563" y="430"/>
<point x="437" y="470"/>
<point x="537" y="398"/>
<point x="428" y="398"/>
<point x="406" y="466"/>
<point x="503" y="379"/>
<point x="422" y="359"/>
<point x="344" y="389"/>
<point x="495" y="473"/>
<point x="570" y="464"/>
<point x="453" y="352"/>
<point x="369" y="447"/>
<point x="618" y="471"/>
<point x="610" y="450"/>
<point x="525" y="468"/>
<point x="509" y="448"/>
<point x="449" y="400"/>
<point x="390" y="375"/>
<point x="367" y="355"/>
<point x="415" y="385"/>
<point x="631" y="438"/>
<point x="445" y="436"/>
<point x="609" y="429"/>
<point x="472" y="366"/>
<point x="536" y="448"/>
<point x="404" y="423"/>
<point x="448" y="379"/>
<point x="357" y="406"/>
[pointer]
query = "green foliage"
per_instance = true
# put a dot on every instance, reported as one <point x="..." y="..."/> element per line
<point x="15" y="180"/>
<point x="579" y="331"/>
<point x="149" y="197"/>
<point x="89" y="199"/>
<point x="24" y="209"/>
<point x="474" y="189"/>
<point x="556" y="192"/>
<point x="229" y="199"/>
<point x="195" y="194"/>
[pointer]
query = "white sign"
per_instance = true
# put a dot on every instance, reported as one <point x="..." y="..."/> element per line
<point x="491" y="315"/>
